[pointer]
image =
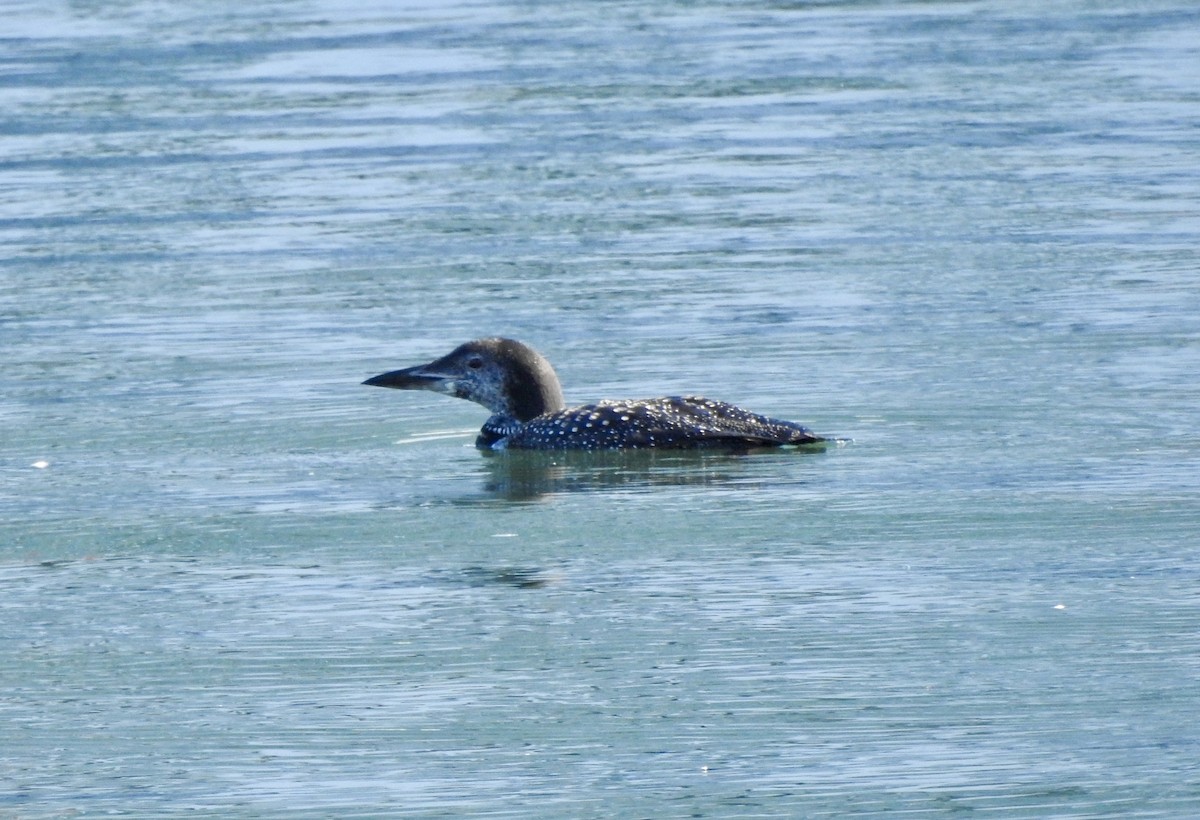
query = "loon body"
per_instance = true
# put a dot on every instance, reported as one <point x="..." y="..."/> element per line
<point x="522" y="391"/>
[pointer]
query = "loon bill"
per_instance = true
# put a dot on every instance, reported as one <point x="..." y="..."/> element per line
<point x="522" y="391"/>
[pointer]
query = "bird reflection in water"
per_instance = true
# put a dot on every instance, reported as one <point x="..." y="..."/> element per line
<point x="533" y="475"/>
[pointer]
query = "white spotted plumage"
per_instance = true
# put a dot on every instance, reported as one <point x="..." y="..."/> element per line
<point x="674" y="422"/>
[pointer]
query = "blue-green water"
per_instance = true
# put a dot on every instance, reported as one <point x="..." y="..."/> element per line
<point x="963" y="236"/>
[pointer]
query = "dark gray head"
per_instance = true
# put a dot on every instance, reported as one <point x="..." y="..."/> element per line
<point x="505" y="376"/>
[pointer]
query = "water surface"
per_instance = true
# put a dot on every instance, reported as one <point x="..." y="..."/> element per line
<point x="961" y="236"/>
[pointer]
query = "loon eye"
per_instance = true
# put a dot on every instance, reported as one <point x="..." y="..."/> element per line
<point x="474" y="362"/>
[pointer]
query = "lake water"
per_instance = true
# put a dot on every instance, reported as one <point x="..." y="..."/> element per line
<point x="963" y="237"/>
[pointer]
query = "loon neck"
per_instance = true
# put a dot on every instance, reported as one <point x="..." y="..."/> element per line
<point x="530" y="387"/>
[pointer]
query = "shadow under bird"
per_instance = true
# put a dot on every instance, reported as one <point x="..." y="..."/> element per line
<point x="522" y="391"/>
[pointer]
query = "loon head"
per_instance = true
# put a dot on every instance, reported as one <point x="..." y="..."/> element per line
<point x="505" y="376"/>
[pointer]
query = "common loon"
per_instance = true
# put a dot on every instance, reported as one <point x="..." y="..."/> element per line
<point x="520" y="387"/>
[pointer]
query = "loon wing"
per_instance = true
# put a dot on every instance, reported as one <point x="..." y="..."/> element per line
<point x="706" y="422"/>
<point x="673" y="422"/>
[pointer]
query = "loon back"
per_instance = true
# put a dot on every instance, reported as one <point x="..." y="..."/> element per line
<point x="521" y="389"/>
